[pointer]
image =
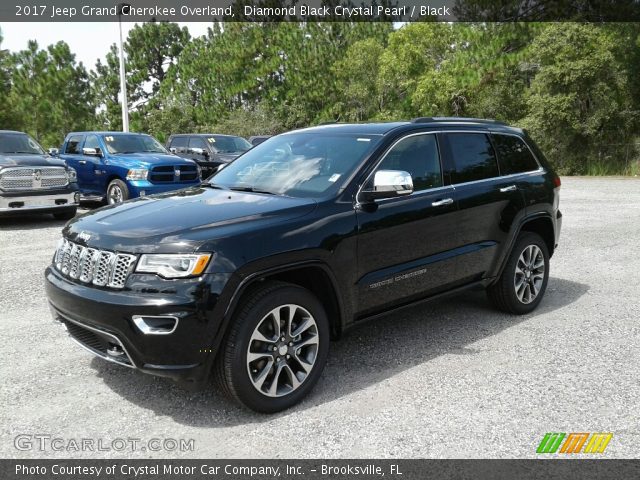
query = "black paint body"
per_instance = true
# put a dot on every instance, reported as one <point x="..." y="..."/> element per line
<point x="361" y="259"/>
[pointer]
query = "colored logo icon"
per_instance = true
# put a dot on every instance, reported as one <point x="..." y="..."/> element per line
<point x="574" y="443"/>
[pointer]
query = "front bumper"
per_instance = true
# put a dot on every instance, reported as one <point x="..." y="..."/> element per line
<point x="40" y="201"/>
<point x="102" y="321"/>
<point x="139" y="188"/>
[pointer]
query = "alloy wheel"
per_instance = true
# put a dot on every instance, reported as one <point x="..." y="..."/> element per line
<point x="115" y="195"/>
<point x="529" y="274"/>
<point x="282" y="350"/>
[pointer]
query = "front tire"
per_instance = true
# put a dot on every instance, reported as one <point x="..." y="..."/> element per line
<point x="117" y="192"/>
<point x="524" y="279"/>
<point x="276" y="348"/>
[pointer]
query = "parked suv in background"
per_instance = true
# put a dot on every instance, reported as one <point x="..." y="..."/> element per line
<point x="31" y="180"/>
<point x="249" y="275"/>
<point x="116" y="166"/>
<point x="208" y="149"/>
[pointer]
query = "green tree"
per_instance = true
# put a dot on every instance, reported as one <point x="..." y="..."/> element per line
<point x="358" y="92"/>
<point x="6" y="117"/>
<point x="50" y="92"/>
<point x="105" y="89"/>
<point x="580" y="100"/>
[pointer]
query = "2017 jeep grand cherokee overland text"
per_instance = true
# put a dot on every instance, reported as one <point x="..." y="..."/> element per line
<point x="249" y="275"/>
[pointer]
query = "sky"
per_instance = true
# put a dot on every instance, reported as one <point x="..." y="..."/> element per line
<point x="89" y="41"/>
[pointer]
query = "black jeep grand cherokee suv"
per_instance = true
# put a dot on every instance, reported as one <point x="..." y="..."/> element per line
<point x="251" y="274"/>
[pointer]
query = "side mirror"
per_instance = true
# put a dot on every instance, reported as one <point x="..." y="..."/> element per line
<point x="93" y="152"/>
<point x="54" y="152"/>
<point x="173" y="150"/>
<point x="389" y="184"/>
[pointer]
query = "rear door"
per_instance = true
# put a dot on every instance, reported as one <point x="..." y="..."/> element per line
<point x="405" y="244"/>
<point x="489" y="204"/>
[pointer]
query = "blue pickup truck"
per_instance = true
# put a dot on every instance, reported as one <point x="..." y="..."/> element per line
<point x="116" y="166"/>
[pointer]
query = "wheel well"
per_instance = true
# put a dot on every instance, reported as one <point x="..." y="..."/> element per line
<point x="316" y="280"/>
<point x="543" y="227"/>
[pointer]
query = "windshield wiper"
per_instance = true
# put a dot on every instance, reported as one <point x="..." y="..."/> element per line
<point x="239" y="188"/>
<point x="213" y="185"/>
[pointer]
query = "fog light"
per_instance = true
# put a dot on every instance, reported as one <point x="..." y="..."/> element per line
<point x="115" y="350"/>
<point x="142" y="193"/>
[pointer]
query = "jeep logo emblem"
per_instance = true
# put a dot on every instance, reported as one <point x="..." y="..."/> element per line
<point x="84" y="236"/>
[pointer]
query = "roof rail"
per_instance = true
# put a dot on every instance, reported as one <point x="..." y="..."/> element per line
<point x="455" y="119"/>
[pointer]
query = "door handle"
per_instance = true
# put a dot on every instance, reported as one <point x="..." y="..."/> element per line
<point x="444" y="201"/>
<point x="82" y="162"/>
<point x="510" y="188"/>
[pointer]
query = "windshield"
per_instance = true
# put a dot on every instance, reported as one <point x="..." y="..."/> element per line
<point x="297" y="164"/>
<point x="228" y="144"/>
<point x="132" y="144"/>
<point x="19" y="143"/>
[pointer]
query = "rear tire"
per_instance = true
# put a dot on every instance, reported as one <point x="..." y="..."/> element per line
<point x="66" y="214"/>
<point x="276" y="348"/>
<point x="117" y="192"/>
<point x="524" y="279"/>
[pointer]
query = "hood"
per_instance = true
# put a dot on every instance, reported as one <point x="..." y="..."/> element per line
<point x="151" y="159"/>
<point x="181" y="221"/>
<point x="24" y="160"/>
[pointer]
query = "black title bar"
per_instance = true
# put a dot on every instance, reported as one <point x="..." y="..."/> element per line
<point x="318" y="10"/>
<point x="317" y="469"/>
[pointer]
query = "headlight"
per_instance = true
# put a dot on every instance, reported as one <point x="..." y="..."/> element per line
<point x="174" y="265"/>
<point x="137" y="174"/>
<point x="72" y="175"/>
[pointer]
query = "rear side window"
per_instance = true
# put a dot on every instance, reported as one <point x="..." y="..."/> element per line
<point x="513" y="155"/>
<point x="473" y="156"/>
<point x="179" y="142"/>
<point x="73" y="144"/>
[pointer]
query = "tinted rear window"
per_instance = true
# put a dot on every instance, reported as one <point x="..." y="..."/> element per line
<point x="473" y="156"/>
<point x="513" y="155"/>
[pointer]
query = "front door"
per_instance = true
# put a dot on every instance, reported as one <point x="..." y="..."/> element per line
<point x="406" y="244"/>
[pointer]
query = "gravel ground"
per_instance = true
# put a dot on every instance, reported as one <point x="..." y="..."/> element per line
<point x="451" y="379"/>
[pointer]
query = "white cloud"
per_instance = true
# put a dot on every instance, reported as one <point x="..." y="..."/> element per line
<point x="88" y="40"/>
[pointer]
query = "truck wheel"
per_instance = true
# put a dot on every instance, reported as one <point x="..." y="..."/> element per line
<point x="117" y="192"/>
<point x="66" y="214"/>
<point x="524" y="279"/>
<point x="276" y="348"/>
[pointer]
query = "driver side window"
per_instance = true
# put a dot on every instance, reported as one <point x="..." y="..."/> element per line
<point x="417" y="155"/>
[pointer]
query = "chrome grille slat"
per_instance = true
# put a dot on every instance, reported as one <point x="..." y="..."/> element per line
<point x="89" y="265"/>
<point x="21" y="178"/>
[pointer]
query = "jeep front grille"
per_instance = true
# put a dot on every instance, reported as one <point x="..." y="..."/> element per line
<point x="23" y="178"/>
<point x="88" y="265"/>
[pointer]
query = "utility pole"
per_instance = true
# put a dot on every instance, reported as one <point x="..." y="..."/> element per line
<point x="123" y="78"/>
